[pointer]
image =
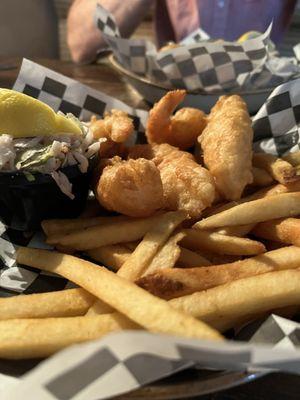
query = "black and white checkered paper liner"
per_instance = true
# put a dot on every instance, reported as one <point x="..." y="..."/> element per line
<point x="209" y="66"/>
<point x="275" y="71"/>
<point x="274" y="330"/>
<point x="125" y="361"/>
<point x="276" y="125"/>
<point x="70" y="96"/>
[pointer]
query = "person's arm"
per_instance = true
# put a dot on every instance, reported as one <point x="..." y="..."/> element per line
<point x="84" y="39"/>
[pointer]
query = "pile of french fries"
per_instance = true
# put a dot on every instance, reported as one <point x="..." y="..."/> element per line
<point x="165" y="273"/>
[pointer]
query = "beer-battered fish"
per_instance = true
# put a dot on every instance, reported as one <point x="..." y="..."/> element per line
<point x="226" y="143"/>
<point x="132" y="187"/>
<point x="187" y="186"/>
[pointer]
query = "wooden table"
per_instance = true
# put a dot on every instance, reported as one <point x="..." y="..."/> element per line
<point x="102" y="77"/>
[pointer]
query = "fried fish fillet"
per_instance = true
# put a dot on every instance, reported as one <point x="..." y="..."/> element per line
<point x="227" y="146"/>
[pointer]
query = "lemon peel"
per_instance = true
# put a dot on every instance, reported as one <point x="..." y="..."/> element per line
<point x="23" y="116"/>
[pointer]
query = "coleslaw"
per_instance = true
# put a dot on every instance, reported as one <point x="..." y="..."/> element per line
<point x="49" y="154"/>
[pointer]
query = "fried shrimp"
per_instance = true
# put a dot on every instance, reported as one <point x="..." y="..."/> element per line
<point x="116" y="127"/>
<point x="187" y="185"/>
<point x="132" y="187"/>
<point x="180" y="130"/>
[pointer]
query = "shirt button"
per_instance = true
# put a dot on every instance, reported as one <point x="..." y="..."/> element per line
<point x="221" y="3"/>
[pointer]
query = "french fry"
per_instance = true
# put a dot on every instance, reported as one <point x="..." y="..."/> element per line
<point x="143" y="254"/>
<point x="281" y="170"/>
<point x="112" y="256"/>
<point x="285" y="230"/>
<point x="166" y="256"/>
<point x="190" y="259"/>
<point x="220" y="244"/>
<point x="141" y="307"/>
<point x="106" y="234"/>
<point x="282" y="205"/>
<point x="64" y="303"/>
<point x="175" y="282"/>
<point x="260" y="194"/>
<point x="56" y="227"/>
<point x="279" y="189"/>
<point x="238" y="230"/>
<point x="139" y="260"/>
<point x="293" y="158"/>
<point x="224" y="306"/>
<point x="32" y="338"/>
<point x="261" y="177"/>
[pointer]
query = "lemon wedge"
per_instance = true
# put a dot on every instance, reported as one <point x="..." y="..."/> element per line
<point x="23" y="116"/>
<point x="248" y="35"/>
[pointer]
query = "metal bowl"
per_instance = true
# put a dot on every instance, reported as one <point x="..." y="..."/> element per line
<point x="152" y="92"/>
<point x="189" y="383"/>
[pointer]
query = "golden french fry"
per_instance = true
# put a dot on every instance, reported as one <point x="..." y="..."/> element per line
<point x="141" y="307"/>
<point x="223" y="306"/>
<point x="175" y="282"/>
<point x="238" y="230"/>
<point x="293" y="158"/>
<point x="143" y="254"/>
<point x="166" y="256"/>
<point x="220" y="244"/>
<point x="279" y="189"/>
<point x="260" y="194"/>
<point x="190" y="259"/>
<point x="112" y="256"/>
<point x="281" y="170"/>
<point x="140" y="259"/>
<point x="261" y="177"/>
<point x="64" y="303"/>
<point x="282" y="205"/>
<point x="56" y="227"/>
<point x="285" y="230"/>
<point x="106" y="234"/>
<point x="32" y="338"/>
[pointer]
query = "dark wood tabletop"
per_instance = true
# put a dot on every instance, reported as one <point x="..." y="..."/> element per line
<point x="103" y="77"/>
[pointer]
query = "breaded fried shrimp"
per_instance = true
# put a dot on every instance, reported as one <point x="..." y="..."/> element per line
<point x="132" y="187"/>
<point x="116" y="125"/>
<point x="187" y="185"/>
<point x="180" y="130"/>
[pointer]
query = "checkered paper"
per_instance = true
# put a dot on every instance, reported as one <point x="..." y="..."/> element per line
<point x="274" y="330"/>
<point x="125" y="361"/>
<point x="200" y="64"/>
<point x="277" y="123"/>
<point x="69" y="96"/>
